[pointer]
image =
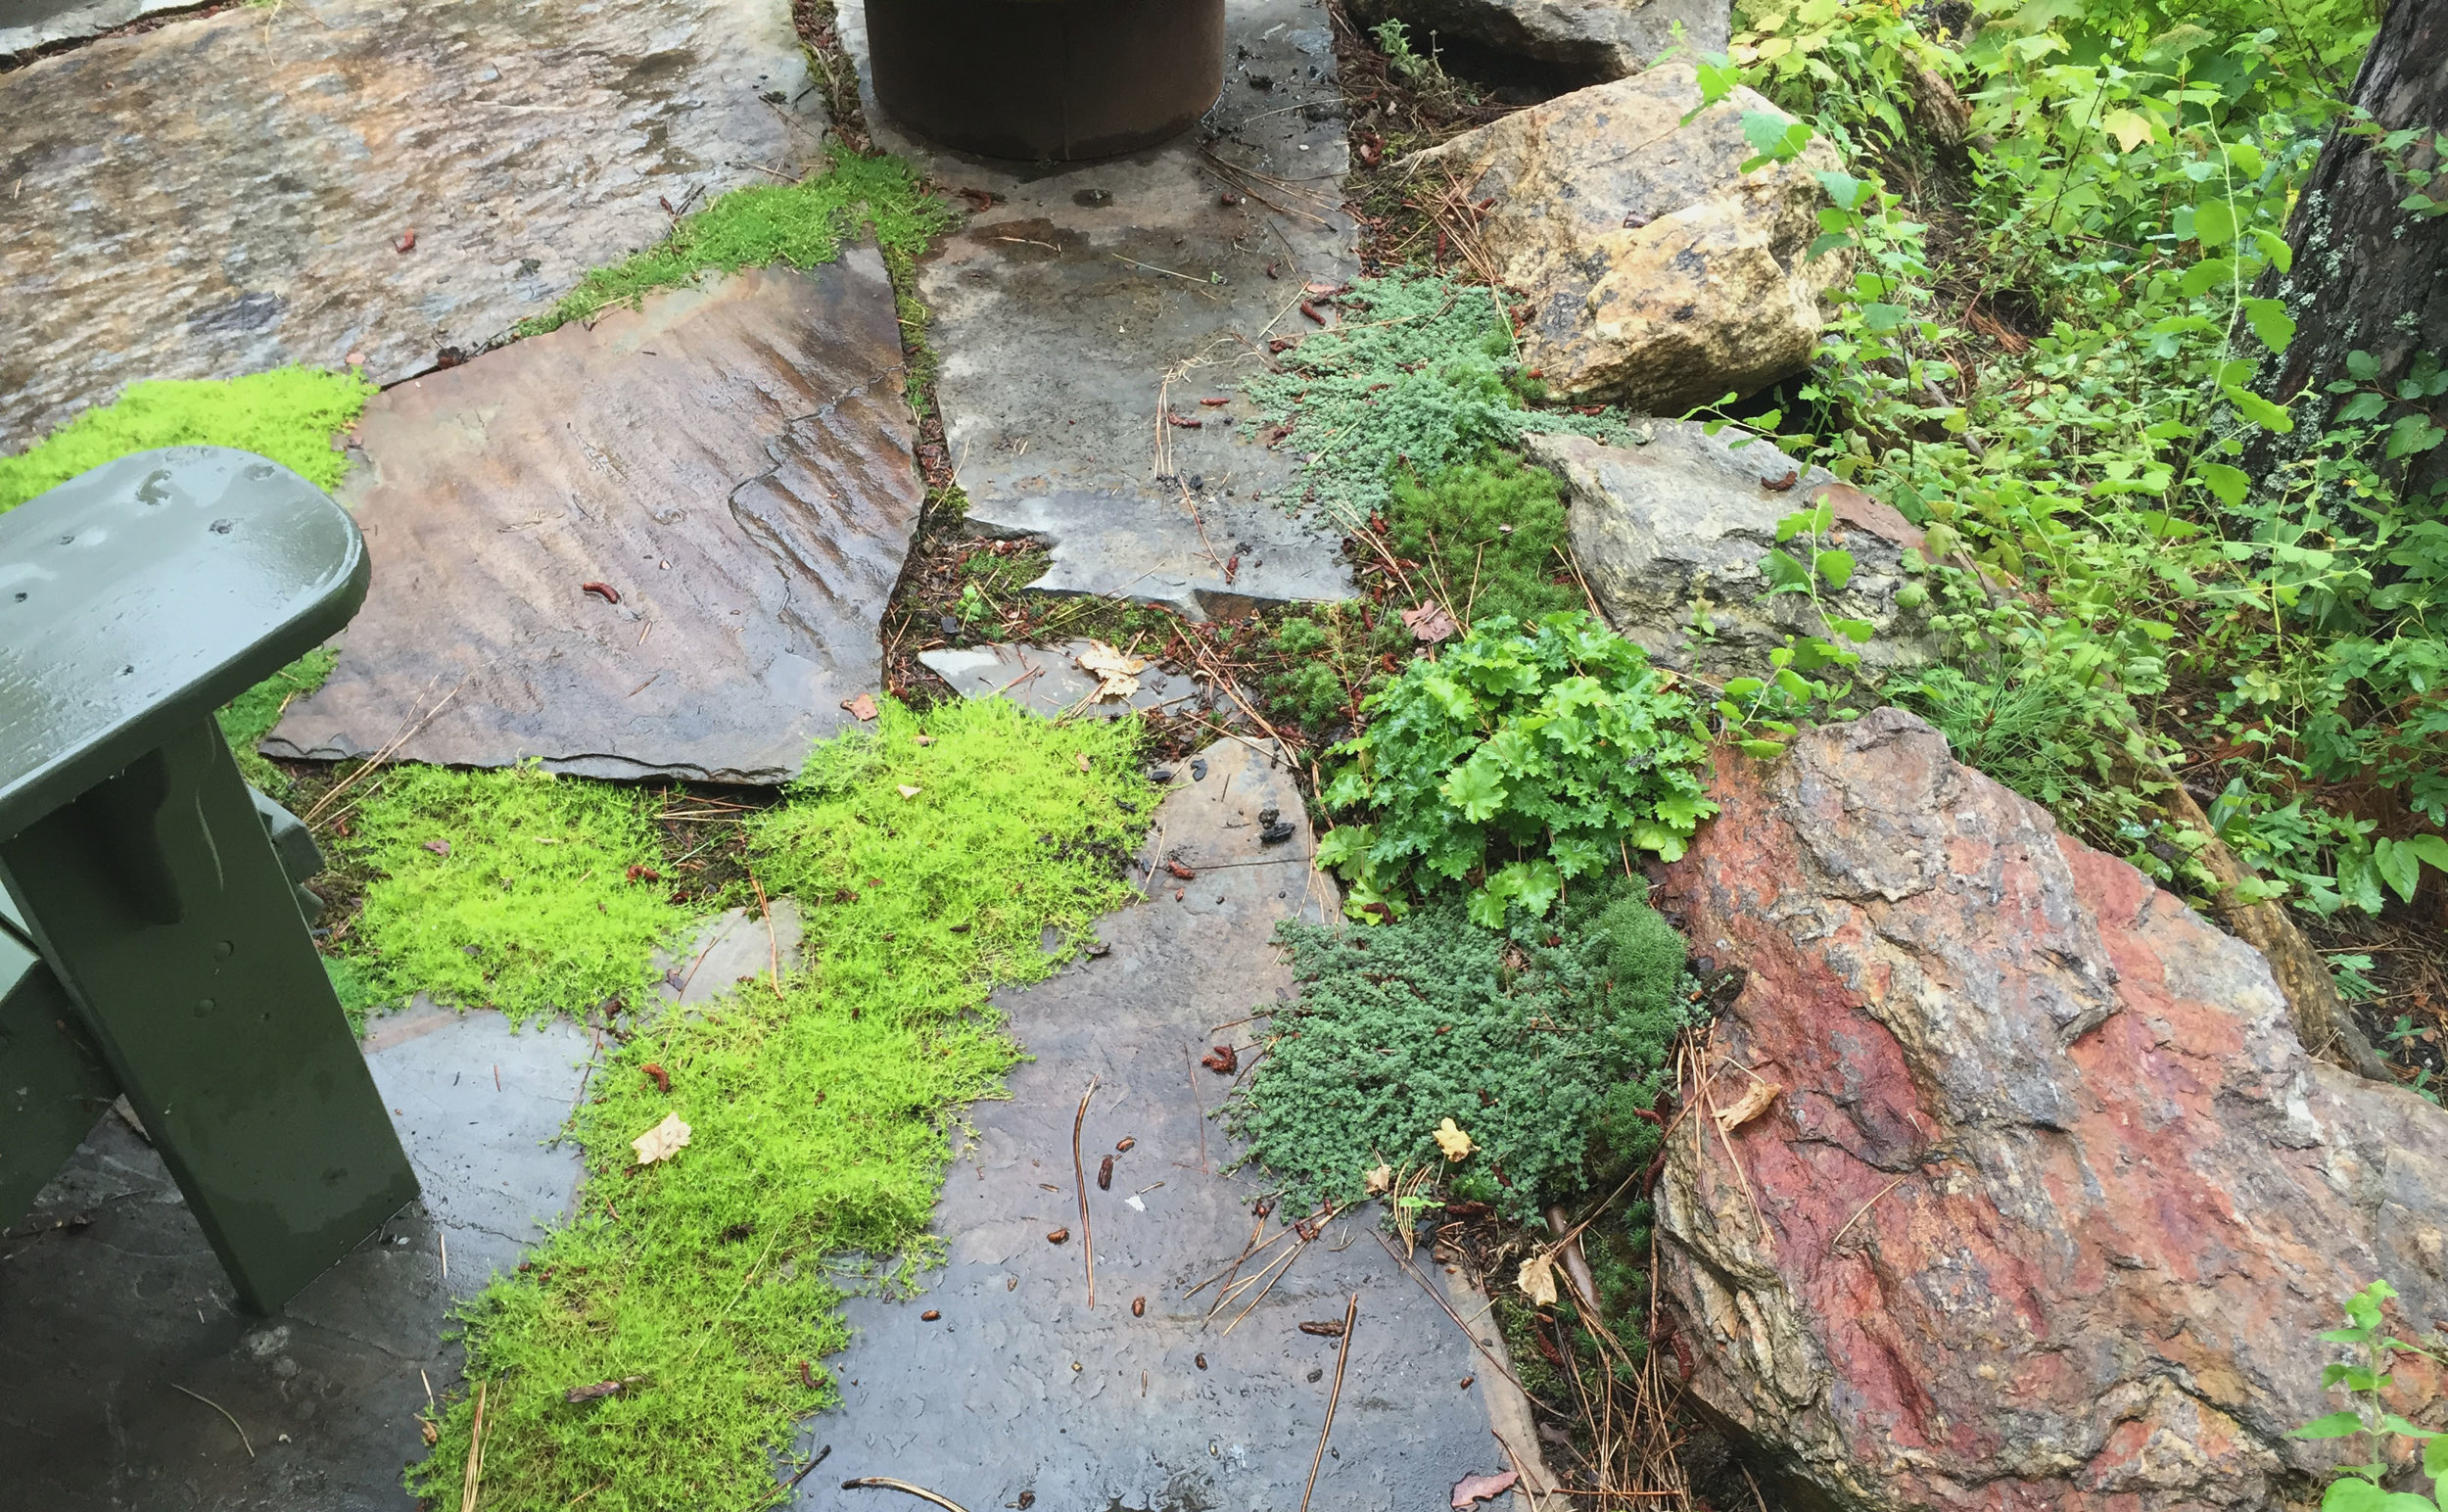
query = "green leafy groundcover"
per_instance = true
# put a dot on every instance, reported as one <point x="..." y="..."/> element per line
<point x="1523" y="756"/>
<point x="513" y="889"/>
<point x="710" y="1286"/>
<point x="1538" y="1042"/>
<point x="289" y="414"/>
<point x="802" y="224"/>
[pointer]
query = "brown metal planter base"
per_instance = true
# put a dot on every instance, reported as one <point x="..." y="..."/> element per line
<point x="1046" y="80"/>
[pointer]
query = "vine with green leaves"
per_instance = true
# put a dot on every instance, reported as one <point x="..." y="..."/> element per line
<point x="2116" y="596"/>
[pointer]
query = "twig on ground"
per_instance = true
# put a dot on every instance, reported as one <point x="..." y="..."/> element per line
<point x="1201" y="1106"/>
<point x="385" y="754"/>
<point x="223" y="1411"/>
<point x="1079" y="1175"/>
<point x="772" y="944"/>
<point x="888" y="1483"/>
<point x="821" y="1455"/>
<point x="1342" y="1356"/>
<point x="475" y="1456"/>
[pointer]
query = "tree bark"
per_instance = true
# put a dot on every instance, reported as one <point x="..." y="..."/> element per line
<point x="2367" y="275"/>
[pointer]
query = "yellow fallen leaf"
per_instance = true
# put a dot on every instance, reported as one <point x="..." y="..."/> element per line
<point x="906" y="792"/>
<point x="1379" y="1181"/>
<point x="2130" y="128"/>
<point x="1754" y="1103"/>
<point x="1537" y="1280"/>
<point x="1118" y="674"/>
<point x="661" y="1141"/>
<point x="1452" y="1141"/>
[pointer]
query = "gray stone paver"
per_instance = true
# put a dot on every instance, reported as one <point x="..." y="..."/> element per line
<point x="110" y="1297"/>
<point x="730" y="466"/>
<point x="1091" y="296"/>
<point x="1019" y="1386"/>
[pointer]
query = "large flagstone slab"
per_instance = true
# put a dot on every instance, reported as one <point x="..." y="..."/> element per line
<point x="659" y="547"/>
<point x="230" y="193"/>
<point x="1000" y="1386"/>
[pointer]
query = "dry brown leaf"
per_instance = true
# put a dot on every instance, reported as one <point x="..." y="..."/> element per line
<point x="1754" y="1103"/>
<point x="1379" y="1181"/>
<point x="1537" y="1280"/>
<point x="1082" y="758"/>
<point x="661" y="1141"/>
<point x="1118" y="674"/>
<point x="906" y="792"/>
<point x="1452" y="1141"/>
<point x="1481" y="1487"/>
<point x="863" y="707"/>
<point x="1431" y="622"/>
<point x="921" y="739"/>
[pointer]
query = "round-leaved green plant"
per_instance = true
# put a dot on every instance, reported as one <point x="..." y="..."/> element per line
<point x="1521" y="757"/>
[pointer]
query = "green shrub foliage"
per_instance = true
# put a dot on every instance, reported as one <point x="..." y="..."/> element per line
<point x="1538" y="1041"/>
<point x="1521" y="757"/>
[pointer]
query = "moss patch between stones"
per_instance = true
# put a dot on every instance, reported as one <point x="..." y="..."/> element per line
<point x="691" y="1302"/>
<point x="801" y="225"/>
<point x="289" y="414"/>
<point x="512" y="889"/>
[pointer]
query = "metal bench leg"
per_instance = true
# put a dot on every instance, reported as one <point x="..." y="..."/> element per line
<point x="158" y="901"/>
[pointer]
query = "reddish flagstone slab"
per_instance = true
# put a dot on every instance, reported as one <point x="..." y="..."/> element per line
<point x="730" y="465"/>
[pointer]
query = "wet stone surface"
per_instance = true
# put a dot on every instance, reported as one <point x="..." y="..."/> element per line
<point x="1087" y="300"/>
<point x="657" y="547"/>
<point x="230" y="192"/>
<point x="28" y="27"/>
<point x="1018" y="1388"/>
<point x="113" y="1302"/>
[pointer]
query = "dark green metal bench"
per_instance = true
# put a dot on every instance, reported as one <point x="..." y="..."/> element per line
<point x="159" y="949"/>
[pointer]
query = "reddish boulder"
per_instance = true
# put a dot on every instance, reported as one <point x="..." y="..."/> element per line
<point x="2052" y="1202"/>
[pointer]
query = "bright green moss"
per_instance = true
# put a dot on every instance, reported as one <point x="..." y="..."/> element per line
<point x="512" y="889"/>
<point x="800" y="224"/>
<point x="289" y="414"/>
<point x="818" y="1116"/>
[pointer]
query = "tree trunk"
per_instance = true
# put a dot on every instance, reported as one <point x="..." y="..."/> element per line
<point x="2366" y="276"/>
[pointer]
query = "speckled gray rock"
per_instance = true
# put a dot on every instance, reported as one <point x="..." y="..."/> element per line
<point x="1659" y="274"/>
<point x="226" y="194"/>
<point x="1588" y="41"/>
<point x="1674" y="532"/>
